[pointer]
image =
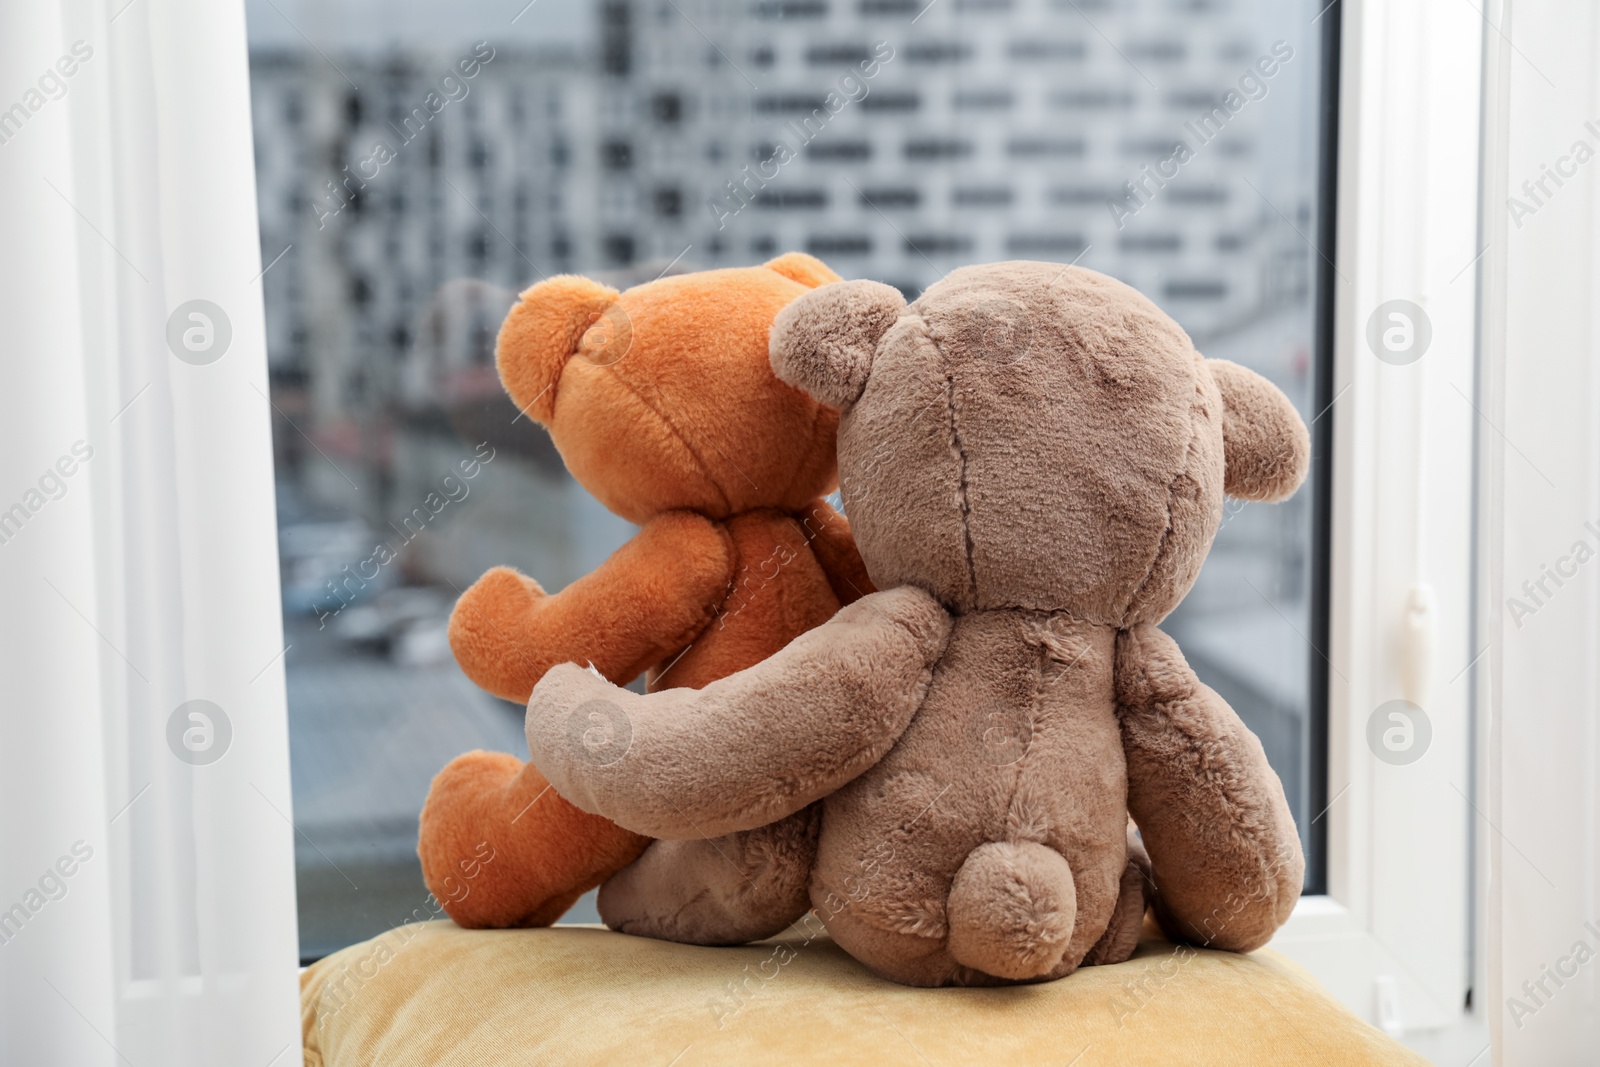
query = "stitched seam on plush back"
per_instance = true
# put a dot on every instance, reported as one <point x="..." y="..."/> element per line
<point x="961" y="459"/>
<point x="1178" y="476"/>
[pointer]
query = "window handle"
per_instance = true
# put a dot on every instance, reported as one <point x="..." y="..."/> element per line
<point x="1417" y="638"/>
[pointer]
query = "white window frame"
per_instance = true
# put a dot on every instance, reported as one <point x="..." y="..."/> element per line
<point x="1541" y="488"/>
<point x="1392" y="937"/>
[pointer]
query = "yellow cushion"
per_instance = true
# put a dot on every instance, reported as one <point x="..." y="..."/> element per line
<point x="434" y="994"/>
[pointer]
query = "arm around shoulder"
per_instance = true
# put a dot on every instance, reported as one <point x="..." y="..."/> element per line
<point x="750" y="748"/>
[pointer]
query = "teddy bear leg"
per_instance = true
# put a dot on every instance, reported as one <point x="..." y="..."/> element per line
<point x="1127" y="919"/>
<point x="500" y="848"/>
<point x="717" y="891"/>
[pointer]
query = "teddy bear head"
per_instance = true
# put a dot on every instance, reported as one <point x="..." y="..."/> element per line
<point x="662" y="397"/>
<point x="1027" y="435"/>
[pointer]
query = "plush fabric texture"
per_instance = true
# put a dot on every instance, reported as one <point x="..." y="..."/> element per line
<point x="1034" y="461"/>
<point x="434" y="995"/>
<point x="1267" y="446"/>
<point x="872" y="661"/>
<point x="663" y="402"/>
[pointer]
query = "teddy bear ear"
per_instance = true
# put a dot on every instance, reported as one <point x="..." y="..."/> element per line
<point x="809" y="271"/>
<point x="824" y="341"/>
<point x="541" y="333"/>
<point x="1264" y="442"/>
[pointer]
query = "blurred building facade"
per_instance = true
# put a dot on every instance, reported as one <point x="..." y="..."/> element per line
<point x="988" y="129"/>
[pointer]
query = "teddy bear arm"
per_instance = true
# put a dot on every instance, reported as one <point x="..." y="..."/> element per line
<point x="835" y="549"/>
<point x="1224" y="854"/>
<point x="750" y="748"/>
<point x="647" y="600"/>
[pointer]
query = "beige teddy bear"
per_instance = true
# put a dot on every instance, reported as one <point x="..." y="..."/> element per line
<point x="1033" y="459"/>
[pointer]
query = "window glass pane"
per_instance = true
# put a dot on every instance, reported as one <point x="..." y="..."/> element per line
<point x="419" y="164"/>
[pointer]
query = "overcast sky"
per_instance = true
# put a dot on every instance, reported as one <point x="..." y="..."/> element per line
<point x="348" y="25"/>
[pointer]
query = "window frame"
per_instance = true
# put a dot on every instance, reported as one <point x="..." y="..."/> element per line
<point x="1397" y="460"/>
<point x="1541" y="479"/>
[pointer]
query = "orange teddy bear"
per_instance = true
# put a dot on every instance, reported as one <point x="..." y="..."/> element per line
<point x="662" y="402"/>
